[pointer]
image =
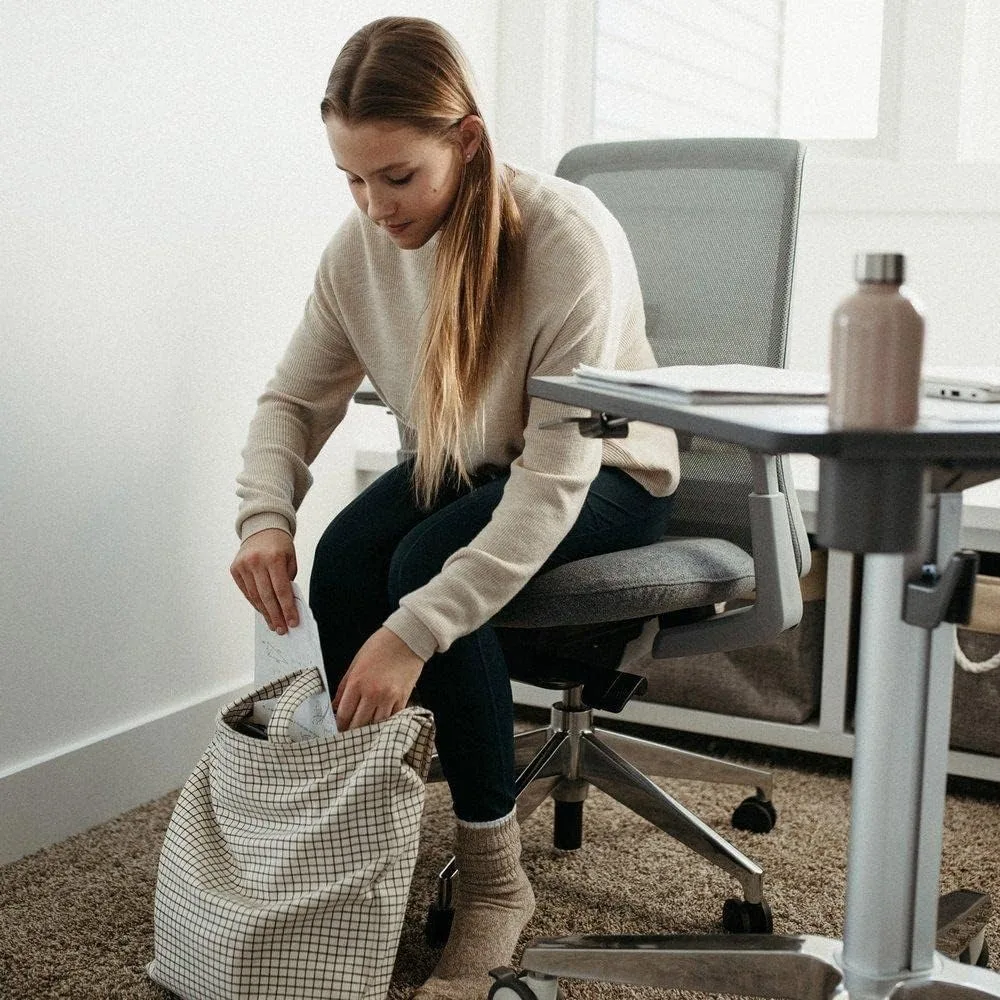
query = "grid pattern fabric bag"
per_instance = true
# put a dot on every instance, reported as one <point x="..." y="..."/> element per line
<point x="286" y="866"/>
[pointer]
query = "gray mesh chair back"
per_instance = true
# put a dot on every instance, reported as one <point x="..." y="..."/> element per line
<point x="712" y="227"/>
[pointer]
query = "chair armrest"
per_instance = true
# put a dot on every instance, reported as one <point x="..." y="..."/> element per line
<point x="366" y="395"/>
<point x="778" y="604"/>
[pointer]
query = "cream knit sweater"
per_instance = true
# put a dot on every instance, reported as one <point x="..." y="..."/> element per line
<point x="580" y="303"/>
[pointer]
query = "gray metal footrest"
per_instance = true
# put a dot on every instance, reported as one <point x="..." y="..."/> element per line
<point x="753" y="965"/>
<point x="950" y="981"/>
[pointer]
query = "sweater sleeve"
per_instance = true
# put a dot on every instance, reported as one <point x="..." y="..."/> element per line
<point x="300" y="407"/>
<point x="588" y="300"/>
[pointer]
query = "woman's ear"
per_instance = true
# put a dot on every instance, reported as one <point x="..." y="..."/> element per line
<point x="470" y="136"/>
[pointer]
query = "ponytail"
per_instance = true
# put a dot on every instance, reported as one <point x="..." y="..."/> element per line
<point x="475" y="280"/>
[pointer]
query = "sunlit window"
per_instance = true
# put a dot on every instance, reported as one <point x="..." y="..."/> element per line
<point x="807" y="69"/>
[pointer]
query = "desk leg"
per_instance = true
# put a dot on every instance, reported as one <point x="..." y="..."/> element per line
<point x="902" y="723"/>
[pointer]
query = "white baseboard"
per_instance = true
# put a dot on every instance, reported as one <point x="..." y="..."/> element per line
<point x="47" y="801"/>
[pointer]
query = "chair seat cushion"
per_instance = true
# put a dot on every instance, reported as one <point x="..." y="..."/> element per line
<point x="633" y="583"/>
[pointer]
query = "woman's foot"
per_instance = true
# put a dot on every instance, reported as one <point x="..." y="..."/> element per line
<point x="494" y="904"/>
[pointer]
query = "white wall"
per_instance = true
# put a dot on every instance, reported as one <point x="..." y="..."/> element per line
<point x="944" y="217"/>
<point x="166" y="191"/>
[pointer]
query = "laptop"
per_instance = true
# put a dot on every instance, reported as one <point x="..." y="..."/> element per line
<point x="973" y="385"/>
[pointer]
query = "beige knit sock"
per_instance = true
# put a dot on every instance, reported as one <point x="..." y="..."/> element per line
<point x="493" y="904"/>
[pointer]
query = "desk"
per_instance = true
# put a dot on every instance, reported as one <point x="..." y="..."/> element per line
<point x="904" y="675"/>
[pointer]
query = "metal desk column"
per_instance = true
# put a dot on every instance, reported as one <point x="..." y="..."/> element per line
<point x="902" y="723"/>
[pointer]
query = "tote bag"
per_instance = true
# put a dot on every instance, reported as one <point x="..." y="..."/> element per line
<point x="287" y="864"/>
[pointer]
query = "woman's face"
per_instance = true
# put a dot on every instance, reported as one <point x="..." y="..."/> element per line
<point x="406" y="181"/>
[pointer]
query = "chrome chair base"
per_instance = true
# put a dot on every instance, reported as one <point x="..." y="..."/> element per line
<point x="565" y="759"/>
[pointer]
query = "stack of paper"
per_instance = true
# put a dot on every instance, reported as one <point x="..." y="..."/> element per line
<point x="718" y="383"/>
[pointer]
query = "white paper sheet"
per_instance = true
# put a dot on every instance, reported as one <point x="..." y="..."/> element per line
<point x="279" y="655"/>
<point x="719" y="383"/>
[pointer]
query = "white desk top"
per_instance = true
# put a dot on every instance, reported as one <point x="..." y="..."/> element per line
<point x="955" y="430"/>
<point x="969" y="441"/>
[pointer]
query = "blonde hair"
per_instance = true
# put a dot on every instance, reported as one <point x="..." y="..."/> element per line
<point x="411" y="71"/>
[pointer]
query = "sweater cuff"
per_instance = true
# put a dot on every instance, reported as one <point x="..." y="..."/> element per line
<point x="413" y="632"/>
<point x="260" y="522"/>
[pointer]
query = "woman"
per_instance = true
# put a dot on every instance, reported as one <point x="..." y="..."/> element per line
<point x="455" y="281"/>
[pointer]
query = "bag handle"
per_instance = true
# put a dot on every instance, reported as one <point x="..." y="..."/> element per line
<point x="303" y="685"/>
<point x="973" y="667"/>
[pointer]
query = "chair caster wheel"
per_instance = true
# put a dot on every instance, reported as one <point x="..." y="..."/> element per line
<point x="741" y="917"/>
<point x="982" y="959"/>
<point x="511" y="985"/>
<point x="755" y="814"/>
<point x="438" y="924"/>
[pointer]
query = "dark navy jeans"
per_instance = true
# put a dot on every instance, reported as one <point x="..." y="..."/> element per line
<point x="383" y="545"/>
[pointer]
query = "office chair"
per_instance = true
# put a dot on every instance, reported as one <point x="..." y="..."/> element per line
<point x="712" y="225"/>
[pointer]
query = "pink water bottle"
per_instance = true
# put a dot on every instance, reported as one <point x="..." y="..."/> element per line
<point x="876" y="349"/>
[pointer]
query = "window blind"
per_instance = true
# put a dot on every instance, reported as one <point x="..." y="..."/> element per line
<point x="667" y="68"/>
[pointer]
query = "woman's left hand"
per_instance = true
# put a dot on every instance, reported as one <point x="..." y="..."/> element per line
<point x="378" y="682"/>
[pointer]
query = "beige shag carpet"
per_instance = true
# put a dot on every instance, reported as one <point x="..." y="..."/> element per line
<point x="76" y="918"/>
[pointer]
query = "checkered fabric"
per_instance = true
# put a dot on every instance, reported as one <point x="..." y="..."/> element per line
<point x="286" y="865"/>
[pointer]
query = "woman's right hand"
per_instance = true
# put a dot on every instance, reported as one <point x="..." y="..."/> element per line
<point x="264" y="569"/>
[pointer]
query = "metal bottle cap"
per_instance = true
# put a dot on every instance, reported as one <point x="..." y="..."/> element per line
<point x="883" y="268"/>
